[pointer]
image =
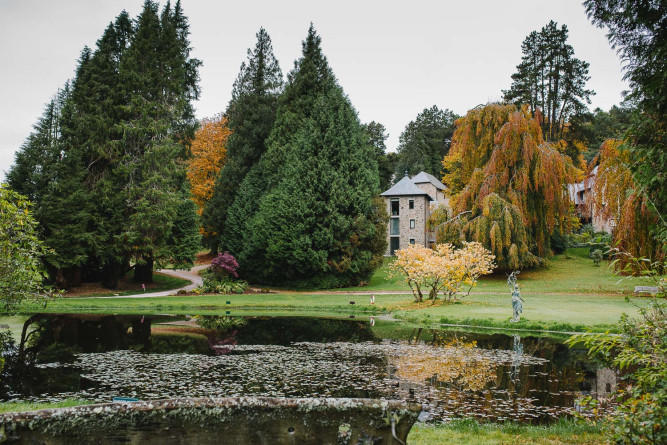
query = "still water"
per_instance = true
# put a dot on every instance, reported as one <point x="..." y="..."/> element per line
<point x="453" y="374"/>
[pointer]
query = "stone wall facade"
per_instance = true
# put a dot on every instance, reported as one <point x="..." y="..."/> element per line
<point x="419" y="214"/>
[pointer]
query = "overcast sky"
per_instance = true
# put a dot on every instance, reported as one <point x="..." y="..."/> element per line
<point x="393" y="58"/>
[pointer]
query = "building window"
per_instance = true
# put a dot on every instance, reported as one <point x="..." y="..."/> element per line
<point x="394" y="227"/>
<point x="394" y="207"/>
<point x="412" y="241"/>
<point x="411" y="204"/>
<point x="412" y="223"/>
<point x="394" y="245"/>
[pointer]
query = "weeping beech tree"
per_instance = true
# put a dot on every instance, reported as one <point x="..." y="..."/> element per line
<point x="515" y="185"/>
<point x="617" y="196"/>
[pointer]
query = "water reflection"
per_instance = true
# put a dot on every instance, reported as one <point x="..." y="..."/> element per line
<point x="497" y="377"/>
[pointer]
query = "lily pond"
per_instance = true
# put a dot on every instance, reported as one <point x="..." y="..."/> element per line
<point x="452" y="373"/>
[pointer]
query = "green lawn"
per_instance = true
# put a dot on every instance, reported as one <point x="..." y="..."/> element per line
<point x="469" y="432"/>
<point x="573" y="273"/>
<point x="571" y="294"/>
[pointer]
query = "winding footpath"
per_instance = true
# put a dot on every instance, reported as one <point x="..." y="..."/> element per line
<point x="192" y="275"/>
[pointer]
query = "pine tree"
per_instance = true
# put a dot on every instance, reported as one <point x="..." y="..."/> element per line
<point x="315" y="221"/>
<point x="251" y="114"/>
<point x="550" y="78"/>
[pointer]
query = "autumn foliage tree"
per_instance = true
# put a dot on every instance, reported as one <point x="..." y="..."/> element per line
<point x="515" y="185"/>
<point x="208" y="149"/>
<point x="444" y="269"/>
<point x="617" y="196"/>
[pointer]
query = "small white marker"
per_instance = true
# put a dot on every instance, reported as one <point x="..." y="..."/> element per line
<point x="372" y="299"/>
<point x="372" y="321"/>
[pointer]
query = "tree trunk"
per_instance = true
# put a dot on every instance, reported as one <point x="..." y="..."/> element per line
<point x="143" y="273"/>
<point x="110" y="275"/>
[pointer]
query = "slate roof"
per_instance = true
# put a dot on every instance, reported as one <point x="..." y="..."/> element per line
<point x="425" y="177"/>
<point x="405" y="187"/>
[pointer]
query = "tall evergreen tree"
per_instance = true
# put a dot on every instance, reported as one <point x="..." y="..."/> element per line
<point x="306" y="214"/>
<point x="425" y="142"/>
<point x="550" y="78"/>
<point x="161" y="80"/>
<point x="251" y="114"/>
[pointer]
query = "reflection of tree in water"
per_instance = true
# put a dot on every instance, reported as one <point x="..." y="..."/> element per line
<point x="455" y="364"/>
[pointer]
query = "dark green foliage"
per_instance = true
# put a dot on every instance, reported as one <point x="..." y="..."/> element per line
<point x="596" y="127"/>
<point x="425" y="142"/>
<point x="558" y="242"/>
<point x="250" y="114"/>
<point x="550" y="78"/>
<point x="105" y="163"/>
<point x="386" y="161"/>
<point x="306" y="212"/>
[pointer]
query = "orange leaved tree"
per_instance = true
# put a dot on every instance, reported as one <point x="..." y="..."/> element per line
<point x="618" y="197"/>
<point x="512" y="182"/>
<point x="208" y="156"/>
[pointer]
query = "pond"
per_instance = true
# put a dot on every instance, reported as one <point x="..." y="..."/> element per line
<point x="452" y="373"/>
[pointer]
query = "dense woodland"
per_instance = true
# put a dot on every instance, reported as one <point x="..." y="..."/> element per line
<point x="287" y="179"/>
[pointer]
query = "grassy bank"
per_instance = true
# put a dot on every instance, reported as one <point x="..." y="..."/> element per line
<point x="18" y="407"/>
<point x="541" y="312"/>
<point x="470" y="432"/>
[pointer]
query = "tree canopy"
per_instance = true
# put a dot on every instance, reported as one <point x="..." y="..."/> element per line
<point x="550" y="78"/>
<point x="425" y="141"/>
<point x="638" y="31"/>
<point x="251" y="114"/>
<point x="21" y="269"/>
<point x="514" y="185"/>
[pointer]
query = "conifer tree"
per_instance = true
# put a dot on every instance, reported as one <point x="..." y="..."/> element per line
<point x="251" y="114"/>
<point x="315" y="221"/>
<point x="377" y="135"/>
<point x="425" y="142"/>
<point x="161" y="80"/>
<point x="550" y="78"/>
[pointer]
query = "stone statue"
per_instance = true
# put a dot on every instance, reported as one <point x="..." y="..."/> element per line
<point x="517" y="301"/>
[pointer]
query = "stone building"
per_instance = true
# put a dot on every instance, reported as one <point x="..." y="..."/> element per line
<point x="580" y="194"/>
<point x="409" y="204"/>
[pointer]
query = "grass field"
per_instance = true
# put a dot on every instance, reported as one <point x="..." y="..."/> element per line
<point x="571" y="294"/>
<point x="469" y="432"/>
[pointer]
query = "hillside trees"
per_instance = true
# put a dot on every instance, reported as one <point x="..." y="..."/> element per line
<point x="306" y="213"/>
<point x="512" y="182"/>
<point x="117" y="188"/>
<point x="251" y="114"/>
<point x="425" y="141"/>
